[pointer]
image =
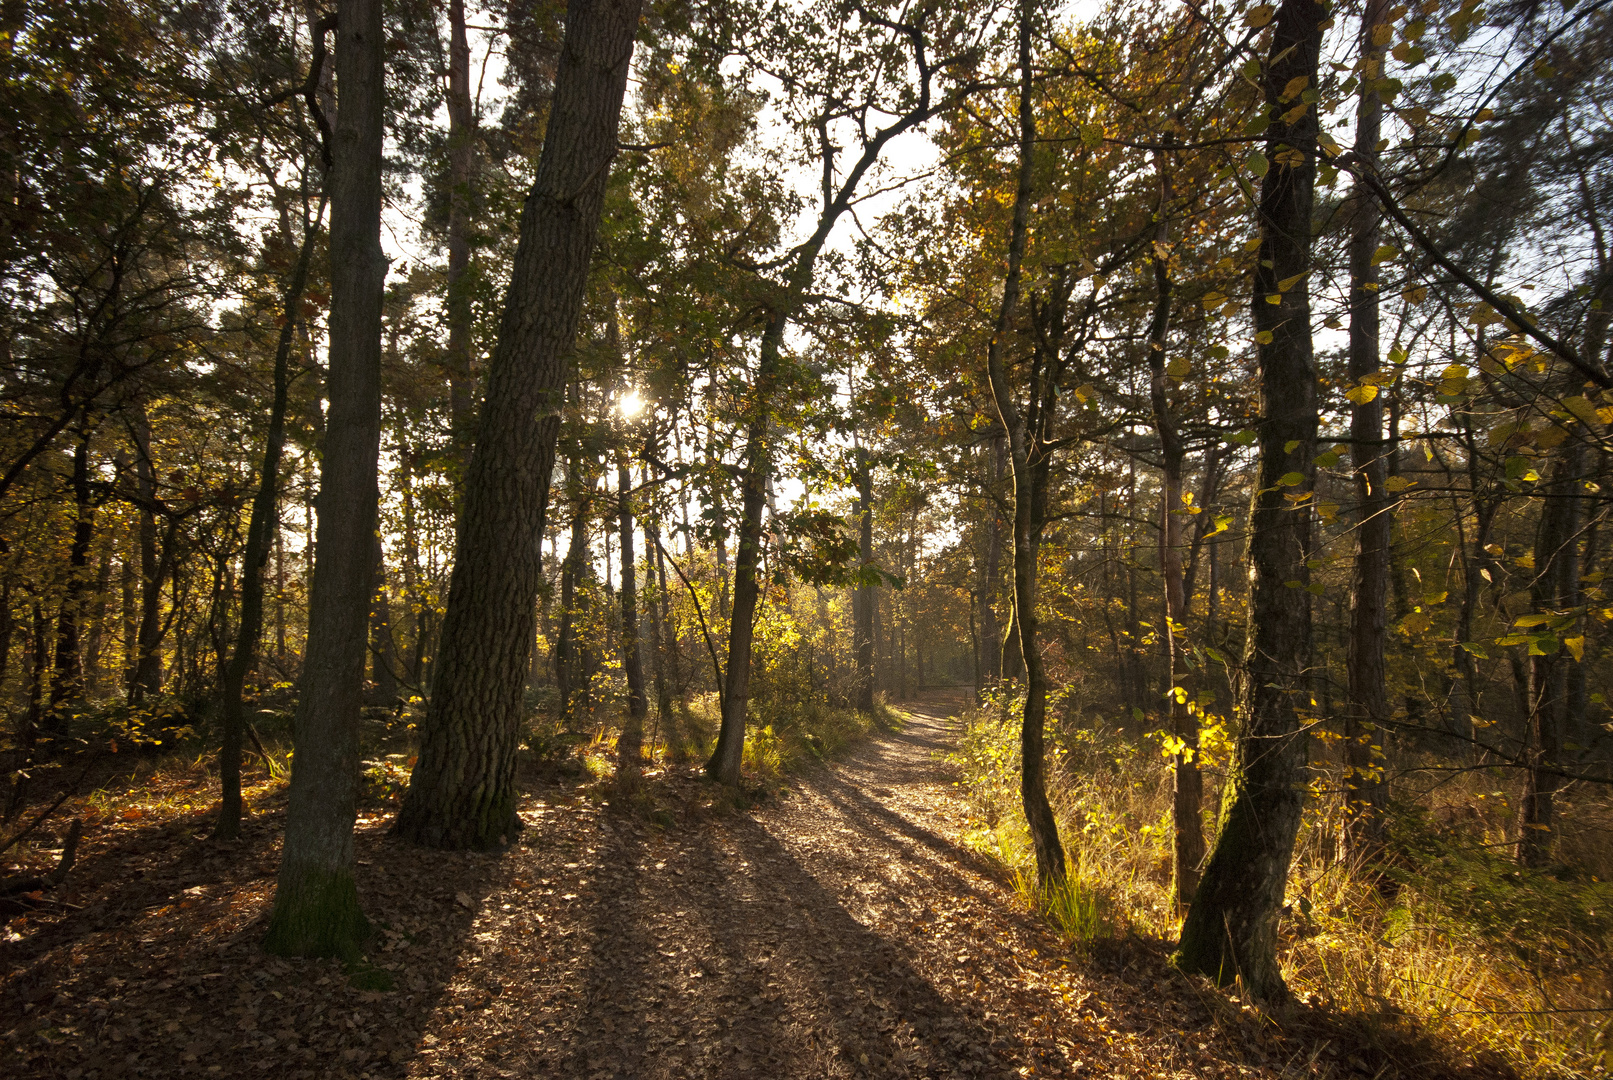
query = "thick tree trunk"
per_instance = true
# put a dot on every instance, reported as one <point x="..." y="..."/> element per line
<point x="316" y="908"/>
<point x="630" y="747"/>
<point x="1231" y="929"/>
<point x="1050" y="865"/>
<point x="1368" y="706"/>
<point x="462" y="793"/>
<point x="262" y="527"/>
<point x="863" y="599"/>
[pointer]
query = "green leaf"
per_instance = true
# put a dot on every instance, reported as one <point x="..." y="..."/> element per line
<point x="1257" y="163"/>
<point x="1290" y="479"/>
<point x="1246" y="437"/>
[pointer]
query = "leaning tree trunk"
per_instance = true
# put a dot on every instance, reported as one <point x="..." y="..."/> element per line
<point x="262" y="526"/>
<point x="1231" y="930"/>
<point x="1368" y="706"/>
<point x="462" y="793"/>
<point x="1050" y="868"/>
<point x="316" y="909"/>
<point x="863" y="599"/>
<point x="991" y="632"/>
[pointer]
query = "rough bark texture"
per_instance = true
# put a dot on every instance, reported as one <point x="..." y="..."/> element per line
<point x="1368" y="706"/>
<point x="262" y="526"/>
<point x="1231" y="930"/>
<point x="864" y="600"/>
<point x="316" y="910"/>
<point x="1050" y="868"/>
<point x="462" y="793"/>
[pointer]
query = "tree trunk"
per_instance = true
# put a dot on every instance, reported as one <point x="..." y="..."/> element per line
<point x="461" y="145"/>
<point x="67" y="682"/>
<point x="1368" y="706"/>
<point x="863" y="599"/>
<point x="1187" y="852"/>
<point x="383" y="652"/>
<point x="991" y="631"/>
<point x="1231" y="929"/>
<point x="95" y="644"/>
<point x="630" y="747"/>
<point x="462" y="793"/>
<point x="1554" y="591"/>
<point x="316" y="908"/>
<point x="1050" y="867"/>
<point x="263" y="525"/>
<point x="566" y="668"/>
<point x="147" y="667"/>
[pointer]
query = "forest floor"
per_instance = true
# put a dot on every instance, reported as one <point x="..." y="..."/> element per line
<point x="837" y="929"/>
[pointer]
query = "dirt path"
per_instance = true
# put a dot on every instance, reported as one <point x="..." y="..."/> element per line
<point x="840" y="931"/>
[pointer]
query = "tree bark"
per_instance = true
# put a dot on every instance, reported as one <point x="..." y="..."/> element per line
<point x="1368" y="706"/>
<point x="630" y="747"/>
<point x="461" y="145"/>
<point x="262" y="527"/>
<point x="1050" y="865"/>
<point x="991" y="631"/>
<point x="863" y="617"/>
<point x="1554" y="591"/>
<point x="1231" y="930"/>
<point x="1187" y="796"/>
<point x="67" y="681"/>
<point x="462" y="793"/>
<point x="316" y="907"/>
<point x="566" y="667"/>
<point x="146" y="670"/>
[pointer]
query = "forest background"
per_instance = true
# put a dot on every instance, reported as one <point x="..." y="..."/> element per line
<point x="1221" y="391"/>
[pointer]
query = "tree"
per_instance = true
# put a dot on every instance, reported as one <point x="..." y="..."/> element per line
<point x="1231" y="928"/>
<point x="462" y="791"/>
<point x="316" y="907"/>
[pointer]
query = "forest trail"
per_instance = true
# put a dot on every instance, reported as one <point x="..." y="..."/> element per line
<point x="840" y="930"/>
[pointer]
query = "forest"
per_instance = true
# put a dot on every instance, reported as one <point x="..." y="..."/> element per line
<point x="813" y="538"/>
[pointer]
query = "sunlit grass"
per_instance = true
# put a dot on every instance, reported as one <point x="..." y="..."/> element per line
<point x="1488" y="959"/>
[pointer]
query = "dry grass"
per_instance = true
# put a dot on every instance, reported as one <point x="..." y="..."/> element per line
<point x="1450" y="936"/>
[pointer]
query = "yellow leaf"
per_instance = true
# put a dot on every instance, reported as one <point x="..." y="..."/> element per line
<point x="1179" y="368"/>
<point x="1384" y="254"/>
<point x="1361" y="394"/>
<point x="1397" y="483"/>
<point x="1295" y="87"/>
<point x="1259" y="16"/>
<point x="1576" y="646"/>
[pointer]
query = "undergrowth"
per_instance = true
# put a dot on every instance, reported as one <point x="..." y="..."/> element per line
<point x="1448" y="933"/>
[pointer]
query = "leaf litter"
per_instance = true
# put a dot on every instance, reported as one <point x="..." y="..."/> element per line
<point x="837" y="930"/>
